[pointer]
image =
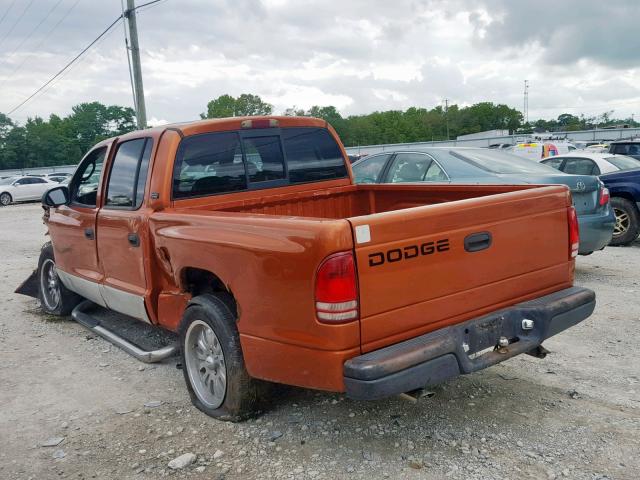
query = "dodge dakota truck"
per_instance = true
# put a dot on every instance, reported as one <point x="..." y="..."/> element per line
<point x="248" y="238"/>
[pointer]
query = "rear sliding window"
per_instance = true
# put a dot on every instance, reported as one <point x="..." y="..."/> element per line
<point x="312" y="155"/>
<point x="214" y="163"/>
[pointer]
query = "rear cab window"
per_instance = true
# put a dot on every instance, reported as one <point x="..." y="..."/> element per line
<point x="224" y="162"/>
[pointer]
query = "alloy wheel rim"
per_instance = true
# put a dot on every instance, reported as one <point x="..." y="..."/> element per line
<point x="5" y="199"/>
<point x="205" y="364"/>
<point x="622" y="222"/>
<point x="50" y="284"/>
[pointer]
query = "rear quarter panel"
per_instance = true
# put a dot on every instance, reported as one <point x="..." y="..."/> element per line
<point x="268" y="263"/>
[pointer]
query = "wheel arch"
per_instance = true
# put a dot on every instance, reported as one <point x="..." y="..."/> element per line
<point x="198" y="281"/>
<point x="624" y="194"/>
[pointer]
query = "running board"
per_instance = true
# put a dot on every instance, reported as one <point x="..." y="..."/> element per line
<point x="79" y="315"/>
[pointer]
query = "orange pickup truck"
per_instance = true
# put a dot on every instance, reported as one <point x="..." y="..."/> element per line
<point x="248" y="238"/>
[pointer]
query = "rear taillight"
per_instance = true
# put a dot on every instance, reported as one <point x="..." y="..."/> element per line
<point x="604" y="196"/>
<point x="336" y="289"/>
<point x="574" y="232"/>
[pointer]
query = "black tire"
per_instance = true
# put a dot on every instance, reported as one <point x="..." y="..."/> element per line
<point x="66" y="300"/>
<point x="5" y="199"/>
<point x="242" y="394"/>
<point x="626" y="229"/>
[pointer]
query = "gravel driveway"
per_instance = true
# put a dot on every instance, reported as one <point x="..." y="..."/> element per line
<point x="102" y="414"/>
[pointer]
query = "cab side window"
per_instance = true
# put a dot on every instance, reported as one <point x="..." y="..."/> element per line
<point x="83" y="188"/>
<point x="128" y="174"/>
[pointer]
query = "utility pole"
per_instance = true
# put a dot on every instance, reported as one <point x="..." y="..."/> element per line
<point x="446" y="115"/>
<point x="525" y="110"/>
<point x="141" y="111"/>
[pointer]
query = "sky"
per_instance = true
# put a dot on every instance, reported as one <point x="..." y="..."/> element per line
<point x="579" y="56"/>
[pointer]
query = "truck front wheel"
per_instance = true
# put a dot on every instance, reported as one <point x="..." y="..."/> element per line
<point x="626" y="229"/>
<point x="55" y="298"/>
<point x="212" y="360"/>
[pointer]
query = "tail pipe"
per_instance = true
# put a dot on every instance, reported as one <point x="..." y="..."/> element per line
<point x="79" y="315"/>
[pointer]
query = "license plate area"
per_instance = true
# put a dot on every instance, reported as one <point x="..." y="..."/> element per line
<point x="483" y="337"/>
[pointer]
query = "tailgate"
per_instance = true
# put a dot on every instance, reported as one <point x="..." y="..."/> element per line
<point x="416" y="273"/>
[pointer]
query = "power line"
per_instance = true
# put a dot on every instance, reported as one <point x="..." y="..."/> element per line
<point x="16" y="22"/>
<point x="34" y="30"/>
<point x="60" y="72"/>
<point x="146" y="6"/>
<point x="7" y="11"/>
<point x="69" y="64"/>
<point x="73" y="67"/>
<point x="44" y="39"/>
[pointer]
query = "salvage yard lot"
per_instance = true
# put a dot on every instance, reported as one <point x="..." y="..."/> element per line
<point x="575" y="414"/>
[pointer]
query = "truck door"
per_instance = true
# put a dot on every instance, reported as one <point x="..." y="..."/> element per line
<point x="122" y="227"/>
<point x="72" y="229"/>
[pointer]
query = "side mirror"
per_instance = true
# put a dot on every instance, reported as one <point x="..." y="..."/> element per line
<point x="56" y="196"/>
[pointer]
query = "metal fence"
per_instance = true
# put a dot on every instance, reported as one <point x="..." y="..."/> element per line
<point x="37" y="170"/>
<point x="605" y="135"/>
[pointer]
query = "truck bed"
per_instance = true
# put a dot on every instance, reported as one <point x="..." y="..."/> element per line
<point x="357" y="200"/>
<point x="402" y="294"/>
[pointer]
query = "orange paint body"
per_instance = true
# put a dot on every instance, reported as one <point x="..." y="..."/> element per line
<point x="265" y="246"/>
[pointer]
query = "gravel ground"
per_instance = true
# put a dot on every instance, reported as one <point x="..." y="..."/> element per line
<point x="574" y="415"/>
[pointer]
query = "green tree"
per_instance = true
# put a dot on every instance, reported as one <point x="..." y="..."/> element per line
<point x="58" y="140"/>
<point x="250" y="105"/>
<point x="245" y="105"/>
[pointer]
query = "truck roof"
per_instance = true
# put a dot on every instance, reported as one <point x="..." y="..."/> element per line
<point x="224" y="124"/>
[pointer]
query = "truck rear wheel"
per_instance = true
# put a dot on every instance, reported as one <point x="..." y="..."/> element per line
<point x="55" y="298"/>
<point x="212" y="360"/>
<point x="626" y="229"/>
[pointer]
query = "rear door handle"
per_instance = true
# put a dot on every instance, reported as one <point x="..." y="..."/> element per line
<point x="477" y="241"/>
<point x="134" y="239"/>
<point x="89" y="233"/>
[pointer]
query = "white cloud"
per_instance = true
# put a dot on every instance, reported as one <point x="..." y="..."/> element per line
<point x="359" y="56"/>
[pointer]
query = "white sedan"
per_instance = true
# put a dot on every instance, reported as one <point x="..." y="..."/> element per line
<point x="581" y="162"/>
<point x="22" y="189"/>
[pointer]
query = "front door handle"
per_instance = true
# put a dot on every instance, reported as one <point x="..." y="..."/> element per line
<point x="134" y="239"/>
<point x="477" y="241"/>
<point x="89" y="233"/>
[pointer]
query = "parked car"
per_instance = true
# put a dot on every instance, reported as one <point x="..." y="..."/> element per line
<point x="623" y="188"/>
<point x="583" y="162"/>
<point x="625" y="198"/>
<point x="284" y="271"/>
<point x="490" y="166"/>
<point x="57" y="178"/>
<point x="21" y="189"/>
<point x="626" y="147"/>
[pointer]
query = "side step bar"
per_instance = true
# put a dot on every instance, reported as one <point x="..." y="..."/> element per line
<point x="79" y="315"/>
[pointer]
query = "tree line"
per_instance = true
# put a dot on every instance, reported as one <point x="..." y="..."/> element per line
<point x="61" y="140"/>
<point x="64" y="140"/>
